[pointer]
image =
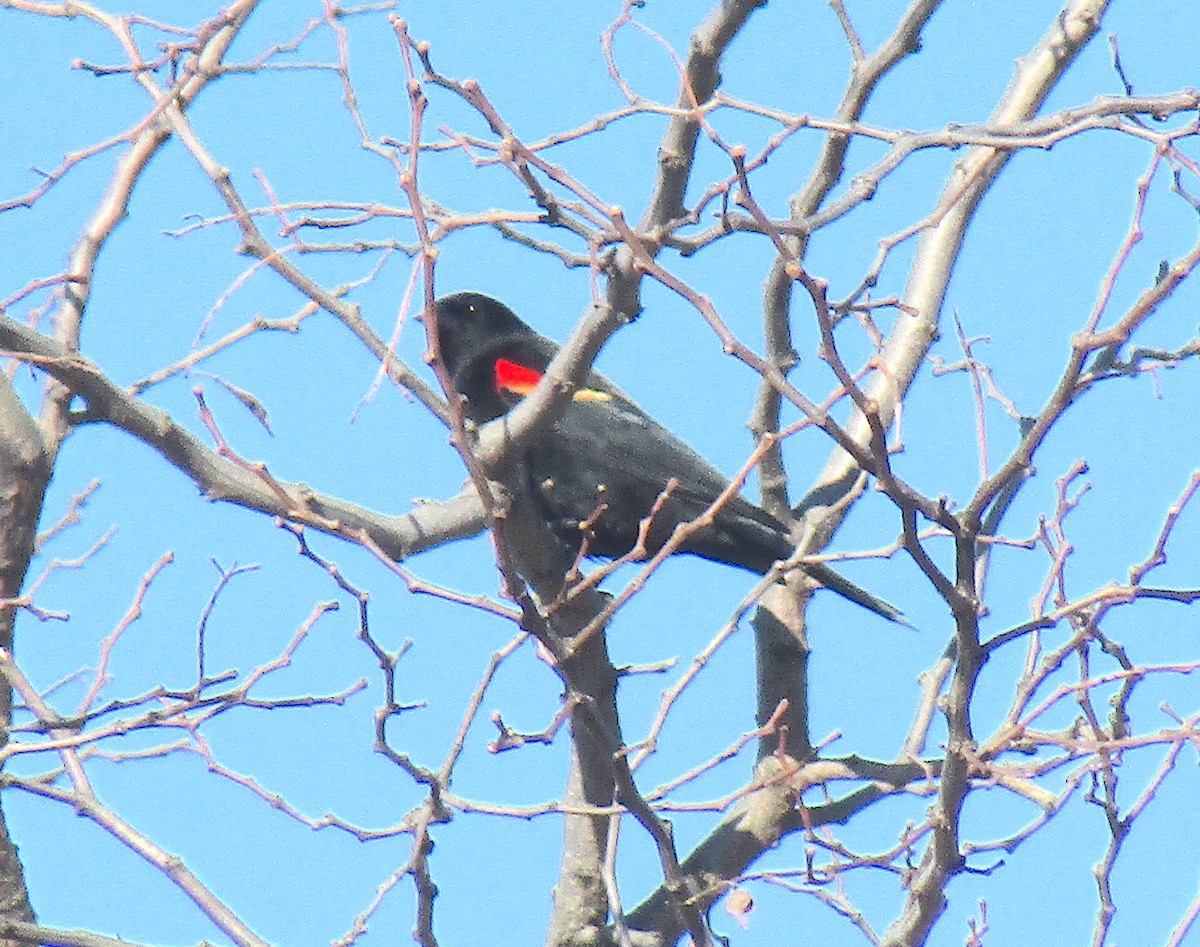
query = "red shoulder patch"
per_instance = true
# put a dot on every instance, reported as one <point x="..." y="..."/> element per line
<point x="515" y="378"/>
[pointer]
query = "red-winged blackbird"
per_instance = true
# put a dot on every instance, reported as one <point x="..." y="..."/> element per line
<point x="606" y="454"/>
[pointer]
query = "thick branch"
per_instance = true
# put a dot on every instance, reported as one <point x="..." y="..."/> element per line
<point x="938" y="250"/>
<point x="219" y="478"/>
<point x="24" y="474"/>
<point x="702" y="75"/>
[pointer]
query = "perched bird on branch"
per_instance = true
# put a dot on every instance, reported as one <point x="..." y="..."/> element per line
<point x="602" y="467"/>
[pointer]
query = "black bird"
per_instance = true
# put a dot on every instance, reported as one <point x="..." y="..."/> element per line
<point x="605" y="461"/>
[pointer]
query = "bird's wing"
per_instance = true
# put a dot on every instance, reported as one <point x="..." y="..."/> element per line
<point x="610" y="452"/>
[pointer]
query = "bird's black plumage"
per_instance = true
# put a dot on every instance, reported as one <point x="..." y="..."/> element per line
<point x="606" y="454"/>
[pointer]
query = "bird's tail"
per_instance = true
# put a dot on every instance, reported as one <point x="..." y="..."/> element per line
<point x="853" y="593"/>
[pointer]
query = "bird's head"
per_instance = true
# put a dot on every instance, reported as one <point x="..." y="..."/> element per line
<point x="492" y="357"/>
<point x="471" y="324"/>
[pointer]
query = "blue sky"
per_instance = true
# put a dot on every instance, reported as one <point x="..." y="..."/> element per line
<point x="1029" y="274"/>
